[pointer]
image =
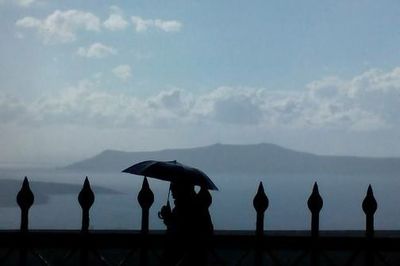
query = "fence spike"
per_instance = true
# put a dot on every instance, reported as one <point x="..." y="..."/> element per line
<point x="369" y="206"/>
<point x="260" y="203"/>
<point x="145" y="199"/>
<point x="25" y="199"/>
<point x="86" y="199"/>
<point x="315" y="204"/>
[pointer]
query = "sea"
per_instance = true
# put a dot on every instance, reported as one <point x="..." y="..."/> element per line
<point x="232" y="207"/>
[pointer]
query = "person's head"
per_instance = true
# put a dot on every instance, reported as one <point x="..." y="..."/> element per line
<point x="182" y="190"/>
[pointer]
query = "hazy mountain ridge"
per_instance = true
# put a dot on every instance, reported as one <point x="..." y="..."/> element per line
<point x="241" y="159"/>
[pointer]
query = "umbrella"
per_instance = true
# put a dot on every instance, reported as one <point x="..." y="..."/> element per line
<point x="172" y="171"/>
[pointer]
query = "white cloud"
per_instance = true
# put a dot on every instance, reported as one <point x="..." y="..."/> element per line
<point x="116" y="20"/>
<point x="24" y="3"/>
<point x="29" y="22"/>
<point x="96" y="50"/>
<point x="142" y="25"/>
<point x="81" y="105"/>
<point x="230" y="105"/>
<point x="371" y="99"/>
<point x="338" y="116"/>
<point x="61" y="26"/>
<point x="168" y="25"/>
<point x="123" y="72"/>
<point x="367" y="102"/>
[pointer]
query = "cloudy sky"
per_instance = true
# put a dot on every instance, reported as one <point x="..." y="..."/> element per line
<point x="78" y="77"/>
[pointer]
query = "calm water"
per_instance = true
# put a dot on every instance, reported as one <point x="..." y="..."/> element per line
<point x="232" y="205"/>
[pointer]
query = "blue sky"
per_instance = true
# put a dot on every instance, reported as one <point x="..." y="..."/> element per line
<point x="139" y="75"/>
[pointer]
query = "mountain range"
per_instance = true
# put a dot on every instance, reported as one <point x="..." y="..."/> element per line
<point x="261" y="158"/>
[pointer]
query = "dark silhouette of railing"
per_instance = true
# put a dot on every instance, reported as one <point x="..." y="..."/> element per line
<point x="144" y="247"/>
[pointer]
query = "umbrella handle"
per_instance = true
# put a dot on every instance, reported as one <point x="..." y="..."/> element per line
<point x="165" y="208"/>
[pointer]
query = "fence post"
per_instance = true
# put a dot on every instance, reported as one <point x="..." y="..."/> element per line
<point x="86" y="199"/>
<point x="260" y="203"/>
<point x="369" y="207"/>
<point x="315" y="204"/>
<point x="145" y="199"/>
<point x="25" y="199"/>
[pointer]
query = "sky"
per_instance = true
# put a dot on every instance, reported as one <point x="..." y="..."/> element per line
<point x="79" y="77"/>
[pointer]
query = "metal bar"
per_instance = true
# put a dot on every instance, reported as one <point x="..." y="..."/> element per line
<point x="245" y="240"/>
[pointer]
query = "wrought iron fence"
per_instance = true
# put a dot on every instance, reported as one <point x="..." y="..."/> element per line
<point x="146" y="247"/>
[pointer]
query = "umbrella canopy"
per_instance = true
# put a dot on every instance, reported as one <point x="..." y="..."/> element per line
<point x="172" y="171"/>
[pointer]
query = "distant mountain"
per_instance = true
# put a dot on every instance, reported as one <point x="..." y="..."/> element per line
<point x="255" y="159"/>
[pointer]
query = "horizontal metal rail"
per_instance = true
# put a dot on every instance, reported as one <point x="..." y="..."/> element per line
<point x="327" y="240"/>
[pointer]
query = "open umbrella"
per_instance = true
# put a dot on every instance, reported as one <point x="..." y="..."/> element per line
<point x="172" y="171"/>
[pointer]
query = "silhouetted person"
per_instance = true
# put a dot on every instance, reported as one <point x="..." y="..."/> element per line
<point x="203" y="223"/>
<point x="188" y="225"/>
